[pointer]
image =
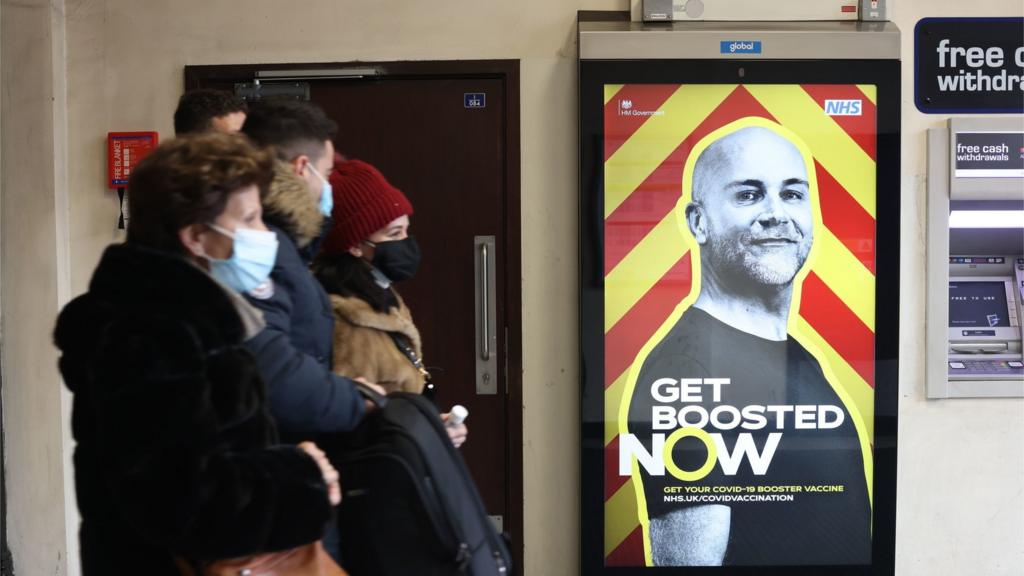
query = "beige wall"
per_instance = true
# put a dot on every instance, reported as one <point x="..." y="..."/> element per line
<point x="960" y="493"/>
<point x="42" y="521"/>
<point x="961" y="499"/>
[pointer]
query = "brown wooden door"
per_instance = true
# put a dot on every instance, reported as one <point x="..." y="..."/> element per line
<point x="457" y="159"/>
<point x="449" y="159"/>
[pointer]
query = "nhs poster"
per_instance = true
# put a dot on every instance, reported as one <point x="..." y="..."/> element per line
<point x="739" y="298"/>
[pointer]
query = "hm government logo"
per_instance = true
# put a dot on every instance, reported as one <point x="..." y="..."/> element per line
<point x="626" y="109"/>
<point x="843" y="107"/>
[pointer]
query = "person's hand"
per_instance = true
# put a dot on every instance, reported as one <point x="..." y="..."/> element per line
<point x="457" y="433"/>
<point x="328" y="471"/>
<point x="375" y="387"/>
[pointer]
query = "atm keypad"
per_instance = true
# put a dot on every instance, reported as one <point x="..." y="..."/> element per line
<point x="1007" y="367"/>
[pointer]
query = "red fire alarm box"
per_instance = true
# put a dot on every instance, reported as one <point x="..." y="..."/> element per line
<point x="124" y="151"/>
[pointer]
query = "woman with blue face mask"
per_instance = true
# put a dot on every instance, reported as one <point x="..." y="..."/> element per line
<point x="177" y="456"/>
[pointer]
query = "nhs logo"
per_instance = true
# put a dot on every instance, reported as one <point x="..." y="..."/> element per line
<point x="843" y="107"/>
<point x="741" y="47"/>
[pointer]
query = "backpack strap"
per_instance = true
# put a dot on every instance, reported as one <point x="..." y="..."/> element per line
<point x="373" y="396"/>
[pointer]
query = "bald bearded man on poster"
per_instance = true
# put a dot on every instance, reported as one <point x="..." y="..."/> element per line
<point x="751" y="213"/>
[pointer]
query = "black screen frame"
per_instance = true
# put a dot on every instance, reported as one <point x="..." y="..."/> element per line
<point x="593" y="75"/>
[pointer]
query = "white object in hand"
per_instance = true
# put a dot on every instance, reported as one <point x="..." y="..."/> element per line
<point x="457" y="415"/>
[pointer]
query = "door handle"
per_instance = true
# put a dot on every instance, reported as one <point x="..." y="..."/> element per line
<point x="485" y="290"/>
<point x="484" y="259"/>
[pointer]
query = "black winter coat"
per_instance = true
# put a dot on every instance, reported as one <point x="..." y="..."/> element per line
<point x="175" y="450"/>
<point x="294" y="351"/>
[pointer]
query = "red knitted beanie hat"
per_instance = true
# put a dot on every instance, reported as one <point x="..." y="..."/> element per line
<point x="364" y="202"/>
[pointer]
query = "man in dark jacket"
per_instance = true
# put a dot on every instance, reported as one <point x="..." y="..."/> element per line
<point x="294" y="351"/>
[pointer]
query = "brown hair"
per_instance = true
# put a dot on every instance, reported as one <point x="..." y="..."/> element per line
<point x="187" y="181"/>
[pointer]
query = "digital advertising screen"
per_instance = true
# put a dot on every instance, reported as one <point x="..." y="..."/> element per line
<point x="739" y="247"/>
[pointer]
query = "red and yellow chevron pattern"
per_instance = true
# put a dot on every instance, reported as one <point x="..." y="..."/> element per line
<point x="650" y="264"/>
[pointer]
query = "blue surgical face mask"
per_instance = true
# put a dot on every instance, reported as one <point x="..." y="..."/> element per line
<point x="252" y="258"/>
<point x="326" y="192"/>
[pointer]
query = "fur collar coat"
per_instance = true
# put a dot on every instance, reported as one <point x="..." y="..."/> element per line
<point x="293" y="353"/>
<point x="363" y="347"/>
<point x="289" y="206"/>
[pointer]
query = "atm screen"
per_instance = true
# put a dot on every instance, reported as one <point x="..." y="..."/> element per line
<point x="978" y="304"/>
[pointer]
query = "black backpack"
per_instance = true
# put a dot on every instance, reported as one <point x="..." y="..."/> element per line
<point x="409" y="505"/>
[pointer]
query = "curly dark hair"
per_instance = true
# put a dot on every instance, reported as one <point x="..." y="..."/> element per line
<point x="197" y="109"/>
<point x="290" y="127"/>
<point x="188" y="180"/>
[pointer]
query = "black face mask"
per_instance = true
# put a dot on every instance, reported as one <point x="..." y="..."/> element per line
<point x="397" y="259"/>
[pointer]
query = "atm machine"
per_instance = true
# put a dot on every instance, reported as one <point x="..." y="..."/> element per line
<point x="976" y="258"/>
<point x="984" y="317"/>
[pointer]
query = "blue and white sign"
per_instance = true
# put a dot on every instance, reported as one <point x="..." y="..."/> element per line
<point x="741" y="46"/>
<point x="843" y="107"/>
<point x="474" y="100"/>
